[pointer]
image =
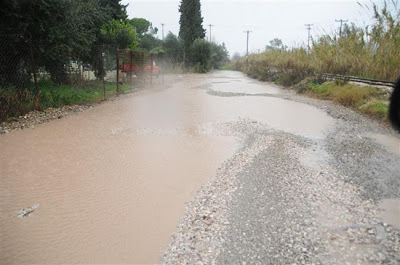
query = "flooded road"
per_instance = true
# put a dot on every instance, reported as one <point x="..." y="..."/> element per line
<point x="111" y="183"/>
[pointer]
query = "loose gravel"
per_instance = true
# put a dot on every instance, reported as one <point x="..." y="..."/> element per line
<point x="286" y="199"/>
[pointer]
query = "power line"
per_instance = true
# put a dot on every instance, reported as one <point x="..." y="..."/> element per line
<point x="210" y="25"/>
<point x="341" y="23"/>
<point x="308" y="26"/>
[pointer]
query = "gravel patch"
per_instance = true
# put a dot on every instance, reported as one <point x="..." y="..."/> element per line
<point x="285" y="199"/>
<point x="200" y="233"/>
<point x="34" y="118"/>
<point x="291" y="207"/>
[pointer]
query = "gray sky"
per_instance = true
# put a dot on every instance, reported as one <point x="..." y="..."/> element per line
<point x="267" y="19"/>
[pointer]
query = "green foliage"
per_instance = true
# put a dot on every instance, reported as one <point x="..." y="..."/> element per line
<point x="141" y="25"/>
<point x="219" y="55"/>
<point x="149" y="42"/>
<point x="146" y="34"/>
<point x="275" y="44"/>
<point x="173" y="47"/>
<point x="60" y="30"/>
<point x="377" y="109"/>
<point x="120" y="33"/>
<point x="54" y="96"/>
<point x="191" y="23"/>
<point x="320" y="89"/>
<point x="200" y="56"/>
<point x="158" y="51"/>
<point x="364" y="99"/>
<point x="115" y="9"/>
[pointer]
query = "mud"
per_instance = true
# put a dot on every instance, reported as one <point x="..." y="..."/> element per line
<point x="112" y="182"/>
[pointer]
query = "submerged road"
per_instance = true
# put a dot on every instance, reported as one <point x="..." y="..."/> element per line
<point x="213" y="168"/>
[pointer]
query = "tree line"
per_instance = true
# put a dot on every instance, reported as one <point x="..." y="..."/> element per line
<point x="62" y="31"/>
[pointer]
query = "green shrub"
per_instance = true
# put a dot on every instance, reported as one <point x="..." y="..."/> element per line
<point x="200" y="56"/>
<point x="376" y="109"/>
<point x="13" y="104"/>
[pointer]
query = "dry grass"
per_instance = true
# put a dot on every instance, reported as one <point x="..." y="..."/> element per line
<point x="372" y="52"/>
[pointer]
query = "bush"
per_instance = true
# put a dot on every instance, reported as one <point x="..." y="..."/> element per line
<point x="376" y="109"/>
<point x="52" y="95"/>
<point x="200" y="56"/>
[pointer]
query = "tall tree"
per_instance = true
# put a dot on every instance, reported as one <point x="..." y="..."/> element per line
<point x="173" y="48"/>
<point x="191" y="23"/>
<point x="60" y="31"/>
<point x="141" y="25"/>
<point x="116" y="9"/>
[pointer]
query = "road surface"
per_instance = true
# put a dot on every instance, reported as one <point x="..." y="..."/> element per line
<point x="214" y="168"/>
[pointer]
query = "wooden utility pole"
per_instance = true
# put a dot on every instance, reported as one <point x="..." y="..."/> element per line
<point x="341" y="23"/>
<point x="210" y="31"/>
<point x="308" y="26"/>
<point x="117" y="59"/>
<point x="247" y="48"/>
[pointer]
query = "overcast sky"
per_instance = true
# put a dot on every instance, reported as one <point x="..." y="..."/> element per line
<point x="267" y="19"/>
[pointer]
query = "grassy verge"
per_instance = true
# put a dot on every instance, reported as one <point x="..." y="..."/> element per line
<point x="365" y="99"/>
<point x="14" y="104"/>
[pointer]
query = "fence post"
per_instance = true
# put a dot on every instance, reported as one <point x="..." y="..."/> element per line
<point x="130" y="68"/>
<point x="117" y="71"/>
<point x="151" y="69"/>
<point x="144" y="77"/>
<point x="103" y="57"/>
<point x="37" y="89"/>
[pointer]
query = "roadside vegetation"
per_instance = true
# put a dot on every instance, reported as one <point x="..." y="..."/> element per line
<point x="48" y="36"/>
<point x="369" y="52"/>
<point x="369" y="100"/>
<point x="55" y="96"/>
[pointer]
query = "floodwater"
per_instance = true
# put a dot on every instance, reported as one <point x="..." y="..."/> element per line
<point x="390" y="212"/>
<point x="109" y="185"/>
<point x="389" y="142"/>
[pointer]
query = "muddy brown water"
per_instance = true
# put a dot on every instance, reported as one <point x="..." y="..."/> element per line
<point x="111" y="183"/>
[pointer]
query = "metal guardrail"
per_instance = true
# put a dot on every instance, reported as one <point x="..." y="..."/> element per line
<point x="368" y="81"/>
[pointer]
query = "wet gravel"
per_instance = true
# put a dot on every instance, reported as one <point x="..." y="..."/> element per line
<point x="286" y="199"/>
<point x="283" y="198"/>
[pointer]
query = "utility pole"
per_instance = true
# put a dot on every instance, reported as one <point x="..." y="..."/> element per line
<point x="162" y="24"/>
<point x="308" y="26"/>
<point x="341" y="23"/>
<point x="247" y="48"/>
<point x="210" y="31"/>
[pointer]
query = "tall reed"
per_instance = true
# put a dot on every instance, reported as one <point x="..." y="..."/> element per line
<point x="372" y="52"/>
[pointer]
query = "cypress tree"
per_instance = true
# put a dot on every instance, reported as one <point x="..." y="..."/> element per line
<point x="191" y="23"/>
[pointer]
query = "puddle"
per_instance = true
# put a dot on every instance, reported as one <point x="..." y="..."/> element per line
<point x="391" y="143"/>
<point x="112" y="182"/>
<point x="245" y="88"/>
<point x="390" y="212"/>
<point x="280" y="114"/>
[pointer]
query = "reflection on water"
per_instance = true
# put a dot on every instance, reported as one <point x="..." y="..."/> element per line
<point x="112" y="182"/>
<point x="391" y="143"/>
<point x="250" y="88"/>
<point x="390" y="212"/>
